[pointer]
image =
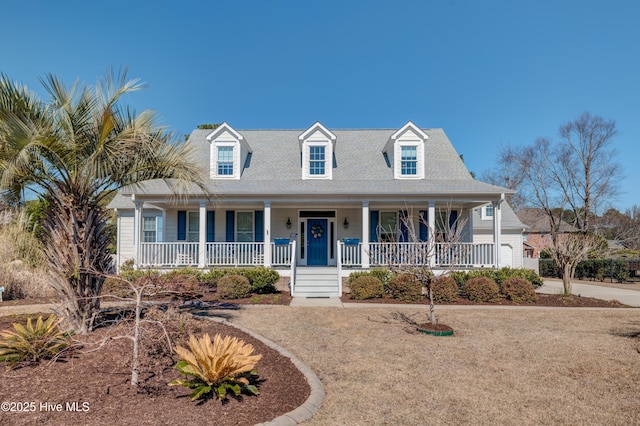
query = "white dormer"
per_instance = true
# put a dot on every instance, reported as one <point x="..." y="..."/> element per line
<point x="228" y="153"/>
<point x="405" y="150"/>
<point x="317" y="145"/>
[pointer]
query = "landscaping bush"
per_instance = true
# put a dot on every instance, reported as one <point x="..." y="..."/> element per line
<point x="461" y="277"/>
<point x="366" y="287"/>
<point x="444" y="289"/>
<point x="220" y="367"/>
<point x="592" y="269"/>
<point x="33" y="343"/>
<point x="518" y="290"/>
<point x="384" y="275"/>
<point x="116" y="287"/>
<point x="406" y="287"/>
<point x="481" y="289"/>
<point x="183" y="286"/>
<point x="233" y="287"/>
<point x="262" y="280"/>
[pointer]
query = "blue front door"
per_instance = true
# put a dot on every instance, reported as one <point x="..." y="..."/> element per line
<point x="317" y="241"/>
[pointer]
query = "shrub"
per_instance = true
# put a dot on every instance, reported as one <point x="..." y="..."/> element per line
<point x="212" y="277"/>
<point x="445" y="290"/>
<point x="32" y="343"/>
<point x="462" y="277"/>
<point x="233" y="287"/>
<point x="184" y="286"/>
<point x="384" y="275"/>
<point x="366" y="287"/>
<point x="116" y="287"/>
<point x="262" y="280"/>
<point x="222" y="366"/>
<point x="178" y="326"/>
<point x="518" y="290"/>
<point x="406" y="287"/>
<point x="481" y="289"/>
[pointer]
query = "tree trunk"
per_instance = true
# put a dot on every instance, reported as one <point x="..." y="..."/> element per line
<point x="566" y="279"/>
<point x="76" y="243"/>
<point x="432" y="313"/>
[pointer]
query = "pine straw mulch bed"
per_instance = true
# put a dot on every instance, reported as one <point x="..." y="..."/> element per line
<point x="550" y="300"/>
<point x="100" y="381"/>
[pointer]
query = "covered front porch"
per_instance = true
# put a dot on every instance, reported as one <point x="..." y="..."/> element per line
<point x="284" y="235"/>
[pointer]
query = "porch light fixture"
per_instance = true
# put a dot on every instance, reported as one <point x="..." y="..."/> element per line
<point x="288" y="223"/>
<point x="345" y="223"/>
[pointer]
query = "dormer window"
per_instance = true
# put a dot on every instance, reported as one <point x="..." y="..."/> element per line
<point x="409" y="161"/>
<point x="225" y="161"/>
<point x="229" y="151"/>
<point x="316" y="160"/>
<point x="317" y="145"/>
<point x="405" y="152"/>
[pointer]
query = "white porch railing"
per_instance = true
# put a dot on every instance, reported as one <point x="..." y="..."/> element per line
<point x="399" y="254"/>
<point x="176" y="254"/>
<point x="168" y="254"/>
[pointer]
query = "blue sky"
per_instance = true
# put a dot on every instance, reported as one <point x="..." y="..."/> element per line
<point x="490" y="73"/>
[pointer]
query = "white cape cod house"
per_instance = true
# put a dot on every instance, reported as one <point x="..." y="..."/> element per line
<point x="317" y="203"/>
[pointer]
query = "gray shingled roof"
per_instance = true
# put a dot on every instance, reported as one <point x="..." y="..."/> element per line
<point x="538" y="222"/>
<point x="509" y="219"/>
<point x="360" y="167"/>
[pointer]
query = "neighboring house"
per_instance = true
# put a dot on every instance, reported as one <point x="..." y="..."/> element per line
<point x="336" y="199"/>
<point x="538" y="233"/>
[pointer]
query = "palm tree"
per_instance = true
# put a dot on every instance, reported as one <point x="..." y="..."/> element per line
<point x="75" y="151"/>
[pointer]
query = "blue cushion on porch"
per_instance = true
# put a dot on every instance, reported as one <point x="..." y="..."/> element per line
<point x="281" y="241"/>
<point x="351" y="241"/>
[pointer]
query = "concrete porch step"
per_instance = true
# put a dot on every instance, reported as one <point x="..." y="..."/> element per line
<point x="317" y="282"/>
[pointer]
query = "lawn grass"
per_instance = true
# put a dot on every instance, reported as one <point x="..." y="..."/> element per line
<point x="503" y="366"/>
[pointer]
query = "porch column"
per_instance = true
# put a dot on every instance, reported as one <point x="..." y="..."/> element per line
<point x="431" y="220"/>
<point x="202" y="237"/>
<point x="137" y="227"/>
<point x="267" y="234"/>
<point x="497" y="231"/>
<point x="364" y="255"/>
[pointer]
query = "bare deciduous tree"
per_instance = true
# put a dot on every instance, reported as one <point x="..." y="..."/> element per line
<point x="575" y="174"/>
<point x="419" y="258"/>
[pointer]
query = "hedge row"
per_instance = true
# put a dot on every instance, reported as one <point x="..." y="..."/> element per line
<point x="481" y="286"/>
<point x="261" y="279"/>
<point x="593" y="269"/>
<point x="498" y="276"/>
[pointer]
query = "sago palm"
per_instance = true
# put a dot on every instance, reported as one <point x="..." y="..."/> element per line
<point x="75" y="150"/>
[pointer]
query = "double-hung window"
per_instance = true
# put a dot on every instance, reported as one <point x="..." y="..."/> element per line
<point x="244" y="226"/>
<point x="388" y="226"/>
<point x="225" y="161"/>
<point x="193" y="227"/>
<point x="316" y="160"/>
<point x="149" y="230"/>
<point x="409" y="160"/>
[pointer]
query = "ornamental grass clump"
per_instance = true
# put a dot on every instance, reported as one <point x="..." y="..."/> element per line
<point x="366" y="287"/>
<point x="217" y="367"/>
<point x="518" y="290"/>
<point x="481" y="289"/>
<point x="33" y="343"/>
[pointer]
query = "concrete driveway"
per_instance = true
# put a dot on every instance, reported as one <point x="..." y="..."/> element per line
<point x="628" y="297"/>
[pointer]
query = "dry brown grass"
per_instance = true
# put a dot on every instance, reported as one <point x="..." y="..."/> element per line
<point x="515" y="366"/>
